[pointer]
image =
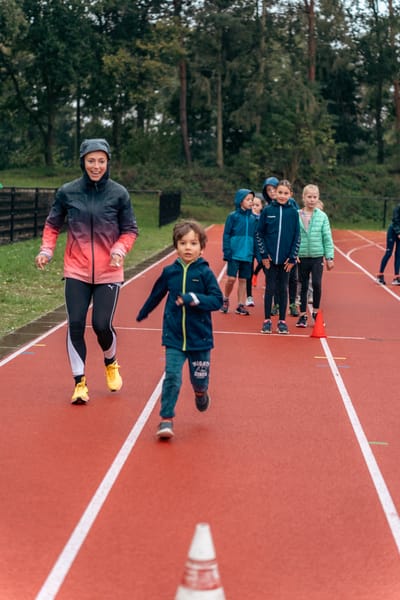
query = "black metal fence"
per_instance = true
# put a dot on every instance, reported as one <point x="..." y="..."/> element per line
<point x="23" y="211"/>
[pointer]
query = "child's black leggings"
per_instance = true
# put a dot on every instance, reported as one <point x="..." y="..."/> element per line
<point x="315" y="267"/>
<point x="78" y="296"/>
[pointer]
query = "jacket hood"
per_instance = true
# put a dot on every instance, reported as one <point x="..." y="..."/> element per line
<point x="94" y="145"/>
<point x="241" y="195"/>
<point x="269" y="181"/>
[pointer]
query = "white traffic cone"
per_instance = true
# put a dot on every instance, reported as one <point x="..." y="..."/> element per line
<point x="201" y="579"/>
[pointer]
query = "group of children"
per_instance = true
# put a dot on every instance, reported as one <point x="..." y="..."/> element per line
<point x="291" y="245"/>
<point x="271" y="234"/>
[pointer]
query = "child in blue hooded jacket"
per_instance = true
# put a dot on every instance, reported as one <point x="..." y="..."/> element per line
<point x="193" y="292"/>
<point x="238" y="248"/>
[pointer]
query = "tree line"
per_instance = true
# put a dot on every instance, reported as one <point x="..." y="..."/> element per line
<point x="294" y="86"/>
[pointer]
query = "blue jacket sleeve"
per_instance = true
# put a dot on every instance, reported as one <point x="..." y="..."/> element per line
<point x="158" y="292"/>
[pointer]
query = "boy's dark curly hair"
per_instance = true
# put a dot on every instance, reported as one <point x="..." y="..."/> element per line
<point x="183" y="227"/>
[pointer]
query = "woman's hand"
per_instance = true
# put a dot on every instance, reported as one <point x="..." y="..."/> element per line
<point x="41" y="261"/>
<point x="116" y="260"/>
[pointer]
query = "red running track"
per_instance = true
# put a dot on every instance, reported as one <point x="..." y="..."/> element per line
<point x="295" y="465"/>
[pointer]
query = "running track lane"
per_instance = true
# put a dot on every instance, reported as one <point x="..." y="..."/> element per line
<point x="294" y="466"/>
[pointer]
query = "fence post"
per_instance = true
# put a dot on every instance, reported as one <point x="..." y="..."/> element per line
<point x="35" y="213"/>
<point x="384" y="213"/>
<point x="169" y="207"/>
<point x="12" y="214"/>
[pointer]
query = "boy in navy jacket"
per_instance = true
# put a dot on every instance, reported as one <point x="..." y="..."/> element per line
<point x="278" y="239"/>
<point x="193" y="292"/>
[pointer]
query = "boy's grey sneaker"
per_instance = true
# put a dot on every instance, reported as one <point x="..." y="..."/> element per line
<point x="202" y="401"/>
<point x="250" y="301"/>
<point x="241" y="310"/>
<point x="302" y="321"/>
<point x="293" y="310"/>
<point x="396" y="281"/>
<point x="266" y="326"/>
<point x="225" y="306"/>
<point x="380" y="279"/>
<point x="165" y="430"/>
<point x="282" y="327"/>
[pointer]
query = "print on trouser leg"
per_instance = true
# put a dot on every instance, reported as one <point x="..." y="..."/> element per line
<point x="199" y="370"/>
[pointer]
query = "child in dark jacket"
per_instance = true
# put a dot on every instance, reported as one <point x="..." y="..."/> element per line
<point x="238" y="248"/>
<point x="278" y="238"/>
<point x="193" y="292"/>
<point x="392" y="241"/>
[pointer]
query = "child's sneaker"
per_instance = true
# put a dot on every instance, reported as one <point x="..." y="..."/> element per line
<point x="293" y="310"/>
<point x="282" y="327"/>
<point x="165" y="429"/>
<point x="242" y="311"/>
<point x="114" y="379"/>
<point x="225" y="306"/>
<point x="380" y="279"/>
<point x="81" y="393"/>
<point x="202" y="400"/>
<point x="314" y="316"/>
<point x="266" y="326"/>
<point x="396" y="281"/>
<point x="275" y="310"/>
<point x="250" y="301"/>
<point x="302" y="321"/>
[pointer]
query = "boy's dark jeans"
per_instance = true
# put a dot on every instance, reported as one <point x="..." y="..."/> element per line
<point x="199" y="372"/>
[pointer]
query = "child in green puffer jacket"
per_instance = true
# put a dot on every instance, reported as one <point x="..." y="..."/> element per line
<point x="316" y="245"/>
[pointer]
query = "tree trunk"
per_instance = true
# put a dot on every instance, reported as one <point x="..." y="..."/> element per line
<point x="261" y="69"/>
<point x="48" y="140"/>
<point x="396" y="82"/>
<point x="379" y="127"/>
<point x="183" y="110"/>
<point x="220" y="137"/>
<point x="312" y="46"/>
<point x="78" y="121"/>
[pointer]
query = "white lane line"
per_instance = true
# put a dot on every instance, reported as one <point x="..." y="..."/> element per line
<point x="32" y="343"/>
<point x="347" y="256"/>
<point x="65" y="560"/>
<point x="382" y="490"/>
<point x="63" y="564"/>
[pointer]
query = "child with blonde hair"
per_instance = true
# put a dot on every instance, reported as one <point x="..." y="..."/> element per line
<point x="316" y="244"/>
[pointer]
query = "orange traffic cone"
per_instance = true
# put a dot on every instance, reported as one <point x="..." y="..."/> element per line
<point x="201" y="579"/>
<point x="319" y="326"/>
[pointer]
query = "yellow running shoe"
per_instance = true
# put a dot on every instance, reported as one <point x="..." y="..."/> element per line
<point x="81" y="393"/>
<point x="114" y="379"/>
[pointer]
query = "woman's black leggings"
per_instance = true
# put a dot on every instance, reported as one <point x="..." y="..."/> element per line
<point x="78" y="296"/>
